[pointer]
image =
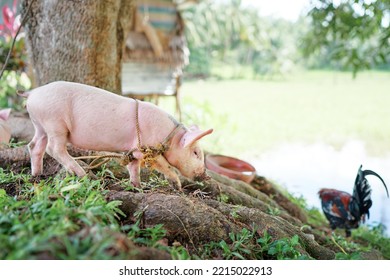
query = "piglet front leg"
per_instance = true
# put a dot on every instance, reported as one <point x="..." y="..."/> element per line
<point x="163" y="166"/>
<point x="134" y="170"/>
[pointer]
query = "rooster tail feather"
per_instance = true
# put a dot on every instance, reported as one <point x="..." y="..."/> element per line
<point x="370" y="172"/>
<point x="361" y="195"/>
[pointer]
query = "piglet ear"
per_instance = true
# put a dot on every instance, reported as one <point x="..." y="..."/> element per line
<point x="4" y="114"/>
<point x="192" y="135"/>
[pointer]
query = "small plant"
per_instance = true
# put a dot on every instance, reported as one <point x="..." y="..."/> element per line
<point x="146" y="236"/>
<point x="240" y="245"/>
<point x="352" y="256"/>
<point x="12" y="144"/>
<point x="234" y="211"/>
<point x="155" y="181"/>
<point x="285" y="249"/>
<point x="273" y="211"/>
<point x="10" y="177"/>
<point x="373" y="237"/>
<point x="223" y="198"/>
<point x="244" y="245"/>
<point x="281" y="249"/>
<point x="179" y="253"/>
<point x="153" y="237"/>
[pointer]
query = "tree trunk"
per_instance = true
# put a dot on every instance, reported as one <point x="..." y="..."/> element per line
<point x="78" y="41"/>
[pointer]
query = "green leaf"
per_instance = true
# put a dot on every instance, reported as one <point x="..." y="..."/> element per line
<point x="71" y="187"/>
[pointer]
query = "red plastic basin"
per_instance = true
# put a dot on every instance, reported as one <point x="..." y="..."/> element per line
<point x="231" y="167"/>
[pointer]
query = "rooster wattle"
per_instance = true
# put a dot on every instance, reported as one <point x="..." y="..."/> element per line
<point x="347" y="211"/>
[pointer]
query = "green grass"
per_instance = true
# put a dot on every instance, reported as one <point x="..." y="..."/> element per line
<point x="251" y="116"/>
<point x="47" y="218"/>
<point x="68" y="218"/>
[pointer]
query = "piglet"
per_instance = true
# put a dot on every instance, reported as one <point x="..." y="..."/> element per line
<point x="94" y="119"/>
<point x="5" y="130"/>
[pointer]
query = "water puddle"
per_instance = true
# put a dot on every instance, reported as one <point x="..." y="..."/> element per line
<point x="304" y="169"/>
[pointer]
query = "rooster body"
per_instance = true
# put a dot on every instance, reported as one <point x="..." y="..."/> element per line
<point x="347" y="211"/>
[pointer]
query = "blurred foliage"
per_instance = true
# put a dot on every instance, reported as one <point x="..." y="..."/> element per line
<point x="203" y="115"/>
<point x="340" y="35"/>
<point x="14" y="77"/>
<point x="236" y="35"/>
<point x="374" y="237"/>
<point x="351" y="34"/>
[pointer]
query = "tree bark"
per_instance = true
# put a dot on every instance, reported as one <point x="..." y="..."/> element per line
<point x="78" y="41"/>
<point x="195" y="221"/>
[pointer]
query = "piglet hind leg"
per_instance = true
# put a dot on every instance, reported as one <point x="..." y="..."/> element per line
<point x="37" y="148"/>
<point x="57" y="149"/>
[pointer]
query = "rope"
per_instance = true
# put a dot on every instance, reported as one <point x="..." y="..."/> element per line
<point x="124" y="159"/>
<point x="150" y="152"/>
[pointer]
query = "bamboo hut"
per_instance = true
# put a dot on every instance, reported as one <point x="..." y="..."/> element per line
<point x="155" y="52"/>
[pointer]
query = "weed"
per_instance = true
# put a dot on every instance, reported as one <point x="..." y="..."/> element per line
<point x="284" y="248"/>
<point x="352" y="256"/>
<point x="153" y="237"/>
<point x="373" y="237"/>
<point x="240" y="246"/>
<point x="244" y="245"/>
<point x="234" y="211"/>
<point x="223" y="198"/>
<point x="12" y="144"/>
<point x="156" y="182"/>
<point x="147" y="236"/>
<point x="273" y="211"/>
<point x="179" y="253"/>
<point x="47" y="218"/>
<point x="10" y="177"/>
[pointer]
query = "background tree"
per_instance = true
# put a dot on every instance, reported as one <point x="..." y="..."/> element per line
<point x="353" y="34"/>
<point x="229" y="34"/>
<point x="79" y="41"/>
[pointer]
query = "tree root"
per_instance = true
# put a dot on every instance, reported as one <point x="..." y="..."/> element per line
<point x="197" y="221"/>
<point x="208" y="211"/>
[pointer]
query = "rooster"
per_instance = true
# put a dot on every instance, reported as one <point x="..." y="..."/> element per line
<point x="347" y="211"/>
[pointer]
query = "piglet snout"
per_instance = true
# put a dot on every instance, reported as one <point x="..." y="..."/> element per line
<point x="202" y="177"/>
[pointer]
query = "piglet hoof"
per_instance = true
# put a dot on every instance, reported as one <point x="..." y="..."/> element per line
<point x="38" y="178"/>
<point x="89" y="172"/>
<point x="92" y="176"/>
<point x="176" y="184"/>
<point x="63" y="173"/>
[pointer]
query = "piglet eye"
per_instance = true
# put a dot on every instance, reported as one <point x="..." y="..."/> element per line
<point x="197" y="153"/>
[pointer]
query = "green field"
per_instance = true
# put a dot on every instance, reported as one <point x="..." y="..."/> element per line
<point x="251" y="116"/>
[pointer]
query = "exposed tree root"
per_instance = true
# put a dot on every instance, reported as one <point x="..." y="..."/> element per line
<point x="204" y="212"/>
